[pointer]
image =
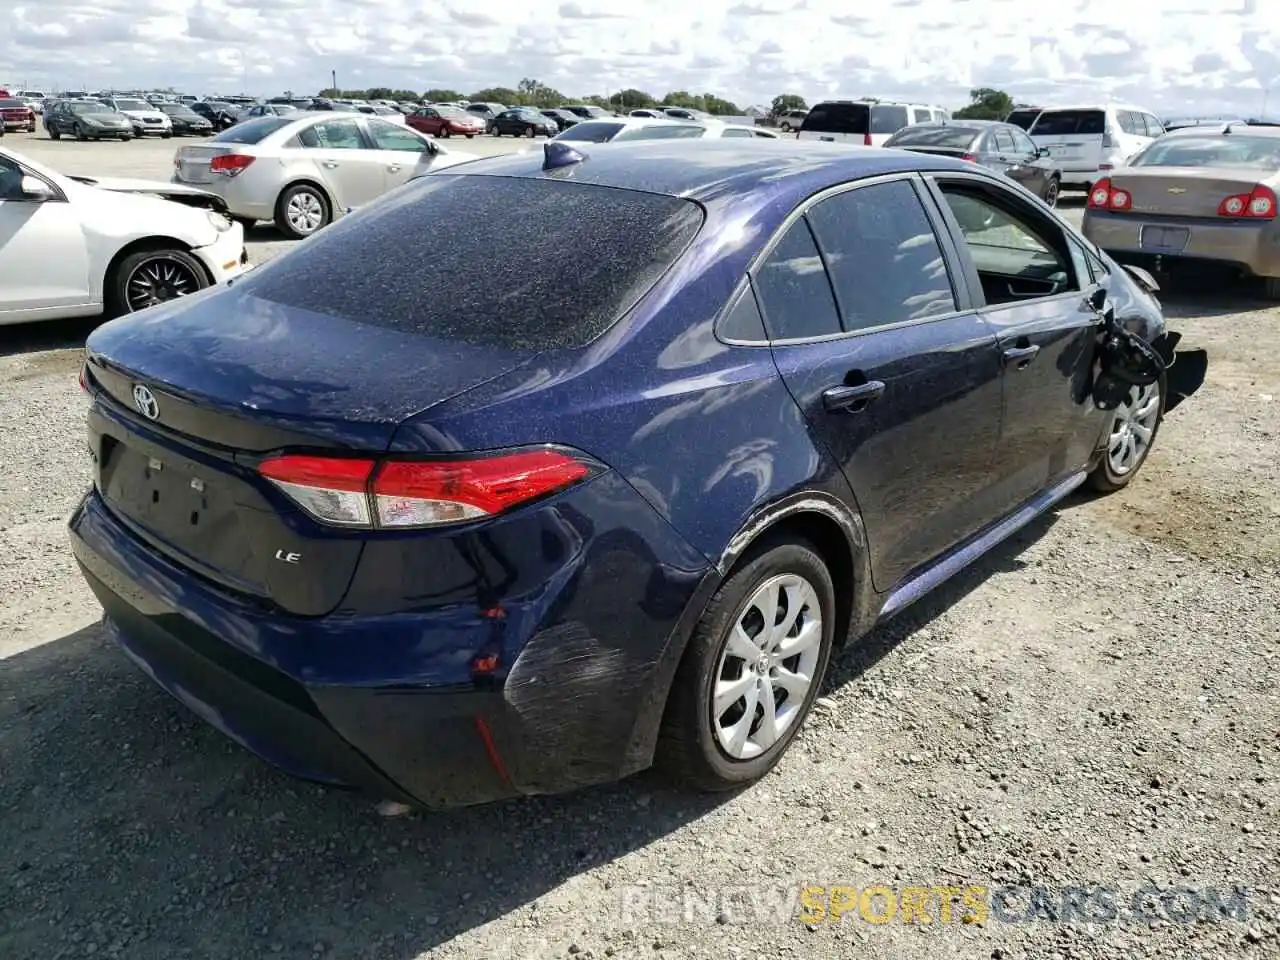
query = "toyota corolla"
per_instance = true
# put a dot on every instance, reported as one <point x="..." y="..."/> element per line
<point x="726" y="408"/>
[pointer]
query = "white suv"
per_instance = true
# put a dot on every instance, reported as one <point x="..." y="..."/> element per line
<point x="866" y="122"/>
<point x="1086" y="143"/>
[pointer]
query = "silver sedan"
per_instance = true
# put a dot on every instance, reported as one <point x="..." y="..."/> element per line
<point x="304" y="170"/>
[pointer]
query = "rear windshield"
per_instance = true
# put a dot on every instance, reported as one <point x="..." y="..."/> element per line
<point x="656" y="131"/>
<point x="252" y="131"/>
<point x="958" y="138"/>
<point x="1057" y="123"/>
<point x="1022" y="118"/>
<point x="1234" y="150"/>
<point x="11" y="104"/>
<point x="592" y="131"/>
<point x="370" y="267"/>
<point x="888" y="119"/>
<point x="837" y="118"/>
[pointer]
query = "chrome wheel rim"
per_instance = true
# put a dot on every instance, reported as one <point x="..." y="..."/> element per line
<point x="305" y="212"/>
<point x="767" y="667"/>
<point x="1051" y="196"/>
<point x="1132" y="428"/>
<point x="159" y="280"/>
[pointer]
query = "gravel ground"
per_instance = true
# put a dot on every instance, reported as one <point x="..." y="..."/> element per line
<point x="1093" y="704"/>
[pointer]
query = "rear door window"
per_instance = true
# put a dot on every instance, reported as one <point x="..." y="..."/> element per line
<point x="1004" y="142"/>
<point x="921" y="115"/>
<point x="592" y="131"/>
<point x="854" y="118"/>
<point x="252" y="131"/>
<point x="884" y="258"/>
<point x="1023" y="118"/>
<point x="529" y="296"/>
<point x="1066" y="123"/>
<point x="795" y="294"/>
<point x="885" y="119"/>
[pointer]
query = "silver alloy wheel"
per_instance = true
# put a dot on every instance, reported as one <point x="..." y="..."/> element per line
<point x="1132" y="426"/>
<point x="767" y="667"/>
<point x="157" y="280"/>
<point x="305" y="212"/>
<point x="1051" y="194"/>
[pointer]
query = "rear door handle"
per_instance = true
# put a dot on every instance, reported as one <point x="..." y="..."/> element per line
<point x="851" y="399"/>
<point x="1020" y="357"/>
<point x="331" y="164"/>
<point x="394" y="168"/>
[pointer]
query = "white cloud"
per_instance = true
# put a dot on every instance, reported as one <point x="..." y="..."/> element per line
<point x="1190" y="56"/>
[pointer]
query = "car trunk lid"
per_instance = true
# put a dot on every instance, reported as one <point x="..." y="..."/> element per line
<point x="193" y="396"/>
<point x="191" y="163"/>
<point x="1183" y="191"/>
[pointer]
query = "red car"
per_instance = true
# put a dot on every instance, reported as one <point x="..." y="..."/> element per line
<point x="445" y="122"/>
<point x="16" y="115"/>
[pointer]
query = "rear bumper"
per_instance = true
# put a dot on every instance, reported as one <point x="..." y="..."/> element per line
<point x="389" y="704"/>
<point x="1253" y="248"/>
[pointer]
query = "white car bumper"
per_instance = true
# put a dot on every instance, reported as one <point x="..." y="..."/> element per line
<point x="225" y="258"/>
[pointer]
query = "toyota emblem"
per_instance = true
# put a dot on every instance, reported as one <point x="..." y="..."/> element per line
<point x="145" y="401"/>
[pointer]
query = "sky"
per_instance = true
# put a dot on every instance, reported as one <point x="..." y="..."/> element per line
<point x="1171" y="56"/>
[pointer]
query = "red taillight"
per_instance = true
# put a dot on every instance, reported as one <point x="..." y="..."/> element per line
<point x="1103" y="196"/>
<point x="1259" y="204"/>
<point x="866" y="139"/>
<point x="420" y="493"/>
<point x="969" y="157"/>
<point x="230" y="164"/>
<point x="84" y="379"/>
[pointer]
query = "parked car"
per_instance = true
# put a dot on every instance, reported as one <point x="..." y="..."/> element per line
<point x="186" y="121"/>
<point x="1002" y="147"/>
<point x="629" y="128"/>
<point x="524" y="122"/>
<point x="866" y="122"/>
<point x="1196" y="195"/>
<point x="588" y="111"/>
<point x="389" y="114"/>
<point x="648" y="112"/>
<point x="314" y="166"/>
<point x="147" y="119"/>
<point x="718" y="128"/>
<point x="627" y="513"/>
<point x="486" y="112"/>
<point x="15" y="114"/>
<point x="86" y="120"/>
<point x="445" y="122"/>
<point x="1090" y="141"/>
<point x="218" y="112"/>
<point x="269" y="110"/>
<point x="791" y="121"/>
<point x="74" y="250"/>
<point x="563" y="118"/>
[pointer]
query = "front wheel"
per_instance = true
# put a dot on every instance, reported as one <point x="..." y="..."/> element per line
<point x="471" y="136"/>
<point x="1132" y="431"/>
<point x="54" y="134"/>
<point x="80" y="132"/>
<point x="752" y="669"/>
<point x="1272" y="288"/>
<point x="444" y="133"/>
<point x="1052" y="190"/>
<point x="530" y="132"/>
<point x="152" y="277"/>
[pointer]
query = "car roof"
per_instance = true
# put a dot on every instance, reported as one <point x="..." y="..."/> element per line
<point x="962" y="124"/>
<point x="703" y="168"/>
<point x="1113" y="105"/>
<point x="1237" y="127"/>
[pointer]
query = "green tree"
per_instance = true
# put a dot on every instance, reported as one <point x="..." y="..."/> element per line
<point x="682" y="98"/>
<point x="595" y="100"/>
<point x="631" y="99"/>
<point x="503" y="95"/>
<point x="328" y="93"/>
<point x="717" y="106"/>
<point x="985" y="103"/>
<point x="441" y="95"/>
<point x="787" y="101"/>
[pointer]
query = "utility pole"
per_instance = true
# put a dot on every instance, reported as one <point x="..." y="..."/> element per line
<point x="1266" y="93"/>
<point x="333" y="81"/>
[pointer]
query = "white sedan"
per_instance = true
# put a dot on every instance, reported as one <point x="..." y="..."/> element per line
<point x="72" y="249"/>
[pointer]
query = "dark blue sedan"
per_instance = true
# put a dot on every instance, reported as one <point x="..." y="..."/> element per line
<point x="710" y="411"/>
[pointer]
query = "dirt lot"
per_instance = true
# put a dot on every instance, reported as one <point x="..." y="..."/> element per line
<point x="1096" y="704"/>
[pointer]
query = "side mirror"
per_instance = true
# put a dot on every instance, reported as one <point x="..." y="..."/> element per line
<point x="1098" y="299"/>
<point x="1041" y="152"/>
<point x="33" y="188"/>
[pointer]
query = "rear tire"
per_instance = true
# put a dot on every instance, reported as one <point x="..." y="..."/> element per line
<point x="1271" y="286"/>
<point x="530" y="132"/>
<point x="302" y="211"/>
<point x="1113" y="471"/>
<point x="79" y="132"/>
<point x="692" y="749"/>
<point x="54" y="134"/>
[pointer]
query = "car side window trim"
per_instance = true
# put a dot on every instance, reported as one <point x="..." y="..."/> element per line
<point x="960" y="283"/>
<point x="1023" y="209"/>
